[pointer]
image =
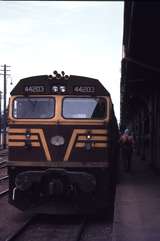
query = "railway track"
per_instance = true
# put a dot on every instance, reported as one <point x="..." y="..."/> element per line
<point x="3" y="152"/>
<point x="32" y="229"/>
<point x="3" y="164"/>
<point x="4" y="178"/>
<point x="4" y="192"/>
<point x="3" y="173"/>
<point x="18" y="232"/>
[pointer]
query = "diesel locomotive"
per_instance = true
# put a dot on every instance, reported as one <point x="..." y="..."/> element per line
<point x="63" y="145"/>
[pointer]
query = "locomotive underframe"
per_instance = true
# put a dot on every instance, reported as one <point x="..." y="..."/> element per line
<point x="62" y="188"/>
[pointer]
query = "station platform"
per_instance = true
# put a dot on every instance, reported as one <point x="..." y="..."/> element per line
<point x="137" y="205"/>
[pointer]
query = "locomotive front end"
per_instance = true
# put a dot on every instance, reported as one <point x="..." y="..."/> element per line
<point x="61" y="140"/>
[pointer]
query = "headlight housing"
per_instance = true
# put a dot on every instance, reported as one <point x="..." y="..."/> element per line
<point x="55" y="89"/>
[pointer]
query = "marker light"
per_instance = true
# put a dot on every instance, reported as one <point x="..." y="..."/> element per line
<point x="88" y="137"/>
<point x="54" y="88"/>
<point x="62" y="89"/>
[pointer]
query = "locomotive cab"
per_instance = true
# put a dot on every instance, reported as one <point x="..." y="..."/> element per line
<point x="62" y="141"/>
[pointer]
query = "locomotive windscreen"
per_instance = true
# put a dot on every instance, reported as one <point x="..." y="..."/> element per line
<point x="84" y="108"/>
<point x="33" y="107"/>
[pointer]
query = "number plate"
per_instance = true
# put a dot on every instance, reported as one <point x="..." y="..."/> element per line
<point x="84" y="89"/>
<point x="34" y="89"/>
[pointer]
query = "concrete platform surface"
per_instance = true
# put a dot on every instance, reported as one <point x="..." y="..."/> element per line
<point x="137" y="208"/>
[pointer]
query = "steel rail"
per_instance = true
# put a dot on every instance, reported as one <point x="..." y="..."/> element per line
<point x="3" y="166"/>
<point x="2" y="162"/>
<point x="18" y="232"/>
<point x="4" y="192"/>
<point x="3" y="178"/>
<point x="81" y="230"/>
<point x="3" y="154"/>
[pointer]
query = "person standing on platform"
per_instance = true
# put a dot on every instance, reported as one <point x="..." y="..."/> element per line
<point x="126" y="143"/>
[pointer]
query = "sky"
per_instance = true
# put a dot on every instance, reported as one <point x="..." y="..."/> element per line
<point x="79" y="37"/>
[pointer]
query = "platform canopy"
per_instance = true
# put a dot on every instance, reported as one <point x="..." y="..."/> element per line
<point x="141" y="54"/>
<point x="141" y="39"/>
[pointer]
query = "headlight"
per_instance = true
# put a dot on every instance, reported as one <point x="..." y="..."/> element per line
<point x="55" y="89"/>
<point x="88" y="137"/>
<point x="62" y="89"/>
